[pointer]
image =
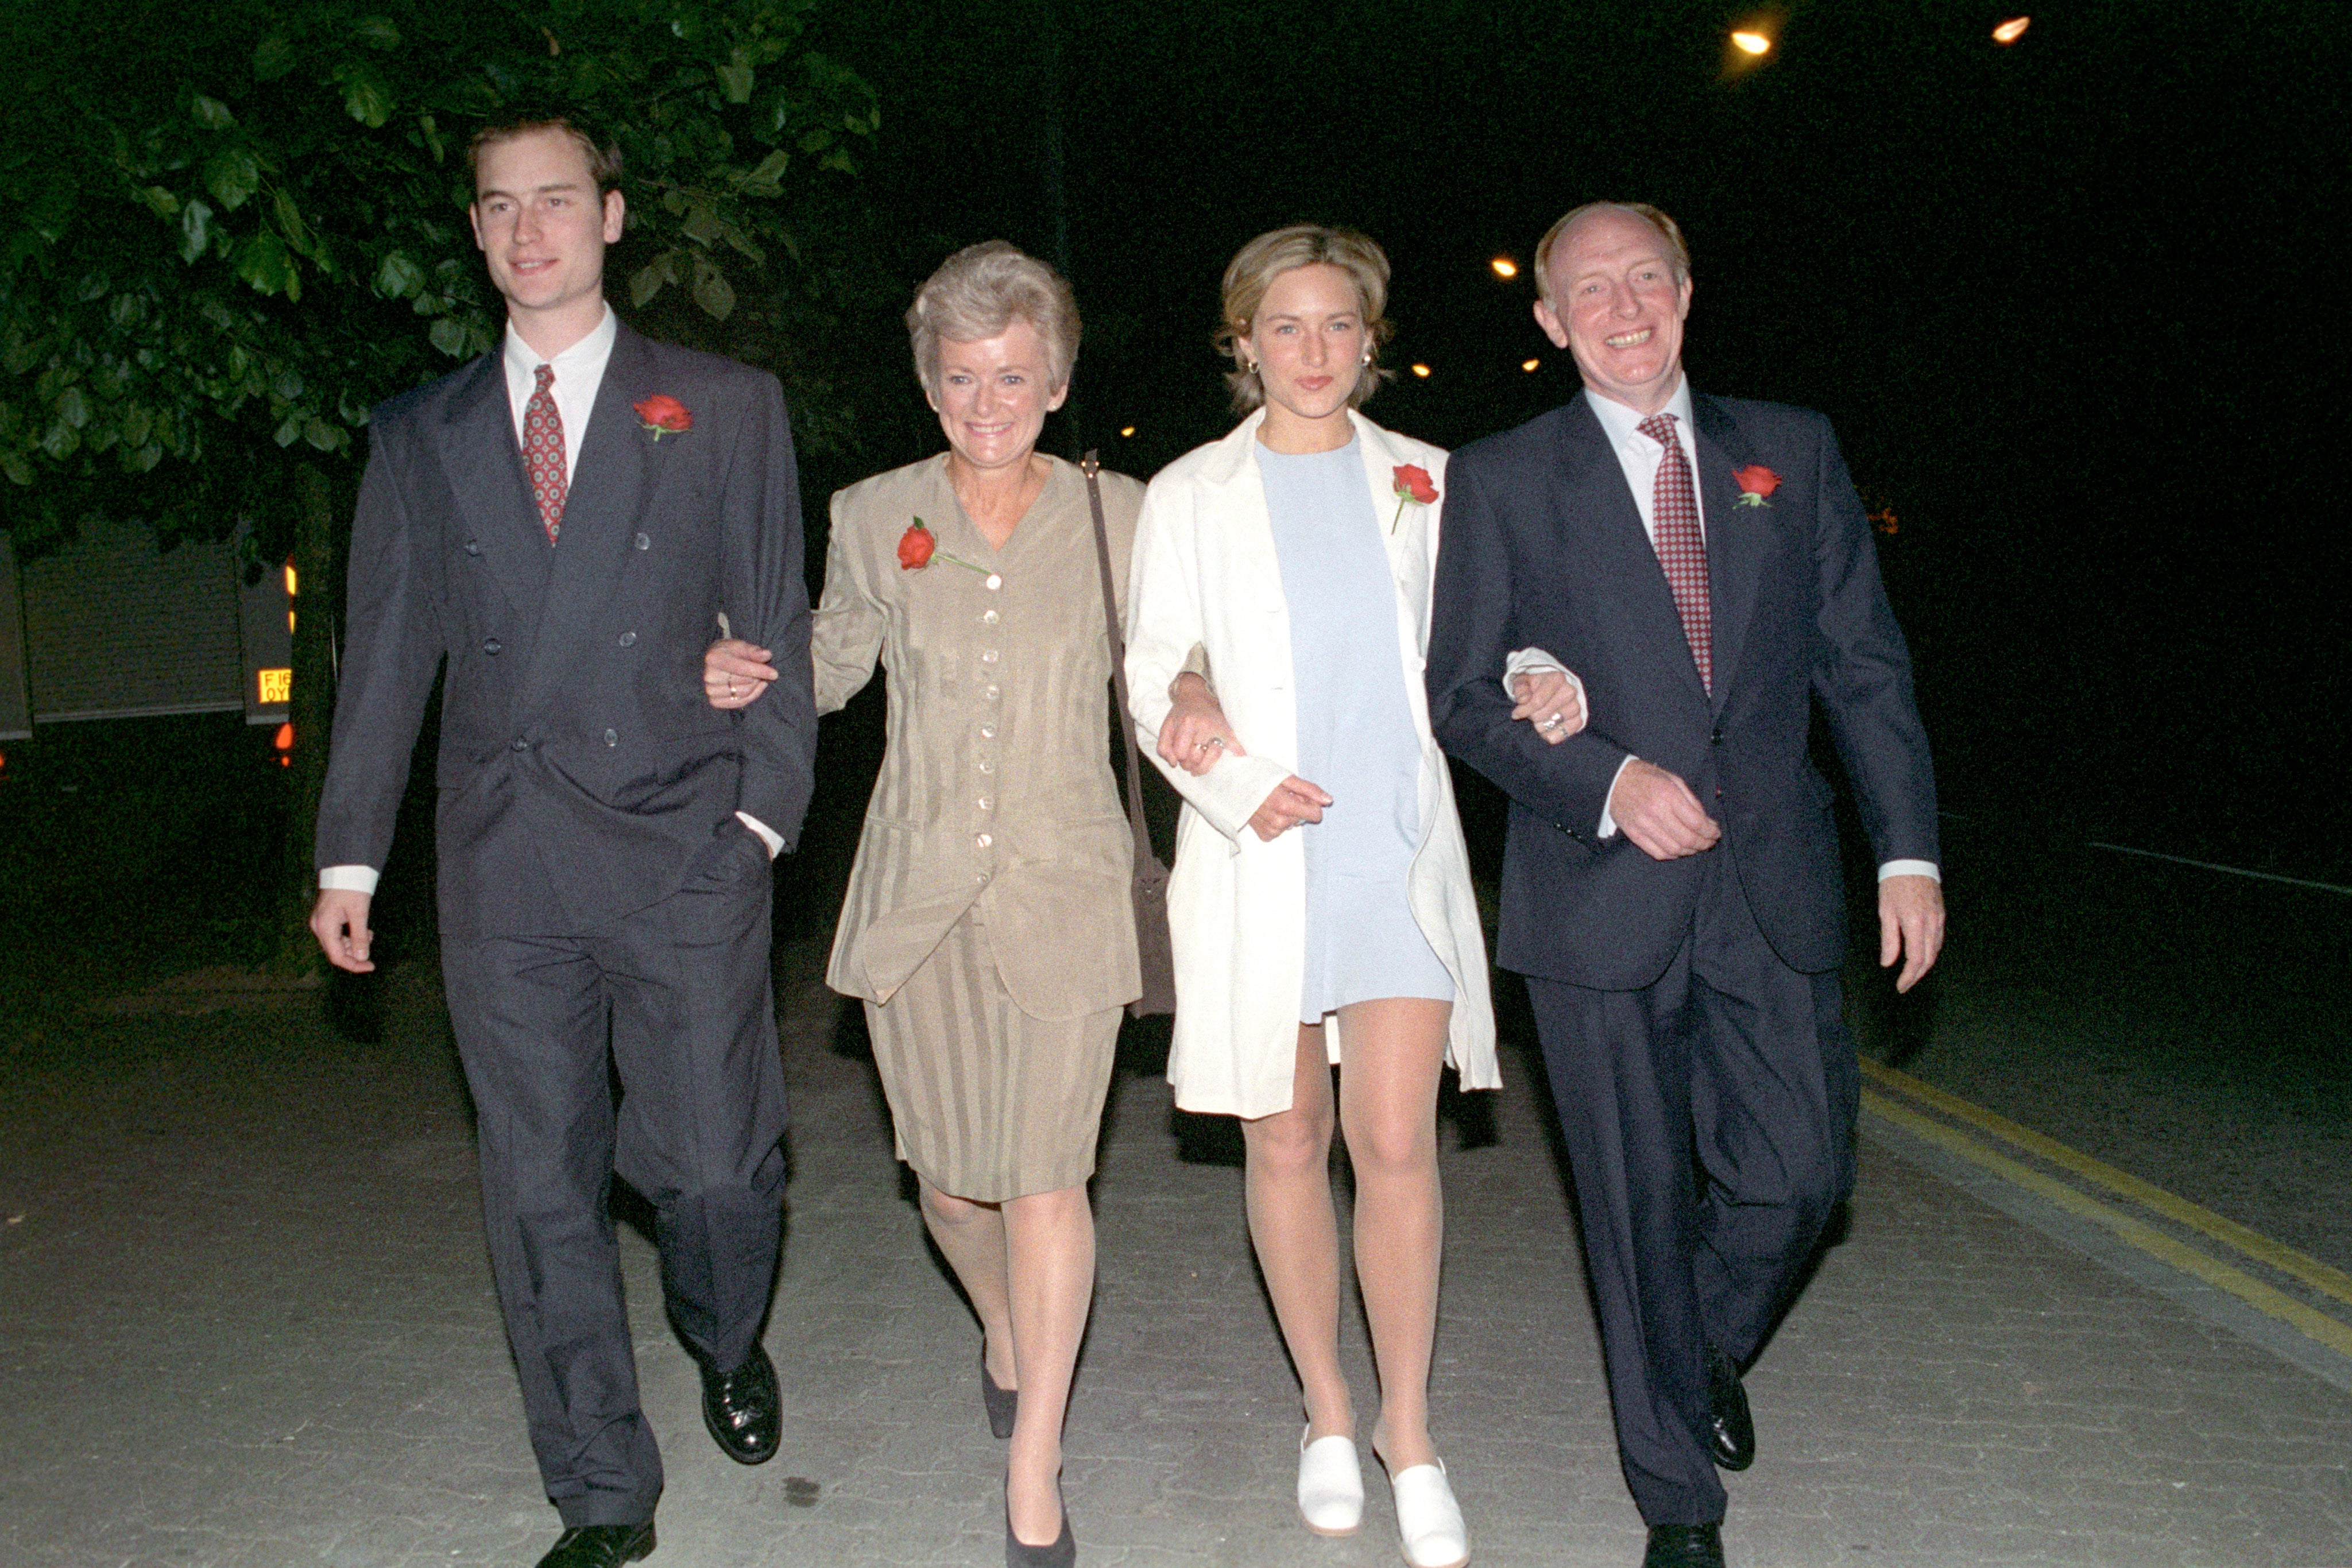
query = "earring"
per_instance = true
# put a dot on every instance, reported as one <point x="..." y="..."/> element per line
<point x="1368" y="356"/>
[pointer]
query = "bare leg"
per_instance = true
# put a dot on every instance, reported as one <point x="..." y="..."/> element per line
<point x="1388" y="1109"/>
<point x="971" y="1237"/>
<point x="1050" y="1245"/>
<point x="1288" y="1180"/>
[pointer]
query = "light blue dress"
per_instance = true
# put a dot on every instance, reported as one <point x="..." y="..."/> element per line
<point x="1355" y="735"/>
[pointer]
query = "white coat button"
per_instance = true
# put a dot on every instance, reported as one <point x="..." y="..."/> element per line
<point x="987" y="803"/>
<point x="990" y="619"/>
<point x="994" y="582"/>
<point x="991" y="693"/>
<point x="986" y="766"/>
<point x="628" y="639"/>
<point x="612" y="737"/>
<point x="983" y="840"/>
<point x="988" y="655"/>
<point x="987" y="732"/>
<point x="645" y="541"/>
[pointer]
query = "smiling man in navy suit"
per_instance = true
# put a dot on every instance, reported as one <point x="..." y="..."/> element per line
<point x="1670" y="883"/>
<point x="561" y="526"/>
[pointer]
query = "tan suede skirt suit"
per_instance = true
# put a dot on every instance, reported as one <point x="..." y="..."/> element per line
<point x="988" y="926"/>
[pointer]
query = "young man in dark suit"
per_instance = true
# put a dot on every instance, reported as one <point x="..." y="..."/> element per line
<point x="563" y="526"/>
<point x="1670" y="883"/>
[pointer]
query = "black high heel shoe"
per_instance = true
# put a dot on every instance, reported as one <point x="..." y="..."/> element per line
<point x="1000" y="1404"/>
<point x="1019" y="1553"/>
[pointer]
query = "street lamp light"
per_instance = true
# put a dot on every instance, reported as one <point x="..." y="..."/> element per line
<point x="2008" y="32"/>
<point x="1750" y="43"/>
<point x="1505" y="266"/>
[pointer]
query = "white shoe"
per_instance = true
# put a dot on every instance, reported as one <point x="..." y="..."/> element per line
<point x="1429" y="1521"/>
<point x="1331" y="1485"/>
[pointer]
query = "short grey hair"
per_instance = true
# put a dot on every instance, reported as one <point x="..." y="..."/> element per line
<point x="982" y="290"/>
<point x="1677" y="251"/>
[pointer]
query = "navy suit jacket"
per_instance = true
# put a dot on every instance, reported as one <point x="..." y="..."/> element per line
<point x="578" y="755"/>
<point x="1544" y="547"/>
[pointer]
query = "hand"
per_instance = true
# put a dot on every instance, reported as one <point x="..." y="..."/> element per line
<point x="1547" y="700"/>
<point x="1294" y="801"/>
<point x="734" y="672"/>
<point x="1657" y="811"/>
<point x="1194" y="735"/>
<point x="339" y="920"/>
<point x="1910" y="926"/>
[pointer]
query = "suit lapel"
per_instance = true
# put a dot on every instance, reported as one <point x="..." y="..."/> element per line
<point x="1593" y="491"/>
<point x="484" y="471"/>
<point x="600" y="509"/>
<point x="1735" y="540"/>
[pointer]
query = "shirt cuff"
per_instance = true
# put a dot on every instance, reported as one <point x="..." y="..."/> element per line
<point x="1910" y="868"/>
<point x="768" y="835"/>
<point x="1608" y="822"/>
<point x="348" y="878"/>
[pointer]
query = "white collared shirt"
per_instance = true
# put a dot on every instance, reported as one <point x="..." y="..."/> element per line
<point x="579" y="373"/>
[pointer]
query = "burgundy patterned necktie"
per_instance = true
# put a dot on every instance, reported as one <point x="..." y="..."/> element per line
<point x="543" y="452"/>
<point x="1682" y="551"/>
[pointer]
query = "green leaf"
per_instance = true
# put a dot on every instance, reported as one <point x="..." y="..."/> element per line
<point x="232" y="174"/>
<point x="735" y="81"/>
<point x="448" y="335"/>
<point x="262" y="261"/>
<point x="366" y="95"/>
<point x="287" y="385"/>
<point x="712" y="291"/>
<point x="138" y="423"/>
<point x="399" y="277"/>
<point x="13" y="464"/>
<point x="289" y="429"/>
<point x="323" y="435"/>
<point x="210" y="113"/>
<point x="701" y="223"/>
<point x="648" y="283"/>
<point x="160" y="202"/>
<point x="145" y="459"/>
<point x="62" y="441"/>
<point x="376" y="32"/>
<point x="290" y="220"/>
<point x="73" y="407"/>
<point x="273" y="57"/>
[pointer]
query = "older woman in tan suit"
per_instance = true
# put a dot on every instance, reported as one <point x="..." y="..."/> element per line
<point x="988" y="927"/>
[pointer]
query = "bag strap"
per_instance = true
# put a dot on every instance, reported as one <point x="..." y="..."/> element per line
<point x="1091" y="466"/>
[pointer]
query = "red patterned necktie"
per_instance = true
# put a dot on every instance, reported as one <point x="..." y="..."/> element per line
<point x="543" y="452"/>
<point x="1681" y="549"/>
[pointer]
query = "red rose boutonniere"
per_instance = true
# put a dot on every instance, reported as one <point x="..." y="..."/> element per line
<point x="1411" y="484"/>
<point x="918" y="546"/>
<point x="662" y="415"/>
<point x="1756" y="482"/>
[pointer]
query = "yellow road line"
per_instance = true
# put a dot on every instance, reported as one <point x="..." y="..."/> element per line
<point x="2313" y="1324"/>
<point x="2328" y="1281"/>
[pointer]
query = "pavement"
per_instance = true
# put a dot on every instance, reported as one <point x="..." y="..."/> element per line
<point x="246" y="1322"/>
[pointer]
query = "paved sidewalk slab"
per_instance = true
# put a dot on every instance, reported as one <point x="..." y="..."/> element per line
<point x="245" y="1323"/>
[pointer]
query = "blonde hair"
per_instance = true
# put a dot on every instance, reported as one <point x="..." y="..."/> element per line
<point x="1252" y="272"/>
<point x="979" y="292"/>
<point x="1677" y="252"/>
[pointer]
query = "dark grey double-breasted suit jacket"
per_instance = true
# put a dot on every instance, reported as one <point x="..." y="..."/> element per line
<point x="578" y="755"/>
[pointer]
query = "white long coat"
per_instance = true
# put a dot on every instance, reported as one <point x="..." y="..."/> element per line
<point x="1205" y="574"/>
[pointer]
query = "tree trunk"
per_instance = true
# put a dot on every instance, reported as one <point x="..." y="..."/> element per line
<point x="312" y="709"/>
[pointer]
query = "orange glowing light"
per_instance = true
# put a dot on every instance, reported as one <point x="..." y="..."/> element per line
<point x="1750" y="43"/>
<point x="1421" y="370"/>
<point x="285" y="741"/>
<point x="290" y="589"/>
<point x="1127" y="430"/>
<point x="1505" y="266"/>
<point x="2008" y="32"/>
<point x="1530" y="365"/>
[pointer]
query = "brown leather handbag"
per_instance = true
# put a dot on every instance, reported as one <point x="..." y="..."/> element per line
<point x="1157" y="957"/>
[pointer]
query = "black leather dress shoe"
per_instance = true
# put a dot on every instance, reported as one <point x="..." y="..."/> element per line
<point x="1731" y="1430"/>
<point x="600" y="1546"/>
<point x="742" y="1409"/>
<point x="1685" y="1546"/>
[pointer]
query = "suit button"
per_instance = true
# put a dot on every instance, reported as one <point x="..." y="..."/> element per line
<point x="473" y="547"/>
<point x="491" y="647"/>
<point x="643" y="542"/>
<point x="1717" y="737"/>
<point x="521" y="744"/>
<point x="983" y="840"/>
<point x="612" y="737"/>
<point x="628" y="639"/>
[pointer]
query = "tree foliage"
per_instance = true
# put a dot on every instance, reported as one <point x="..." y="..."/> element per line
<point x="231" y="229"/>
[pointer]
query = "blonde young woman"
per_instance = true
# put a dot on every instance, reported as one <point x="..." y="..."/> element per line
<point x="988" y="926"/>
<point x="1322" y="901"/>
